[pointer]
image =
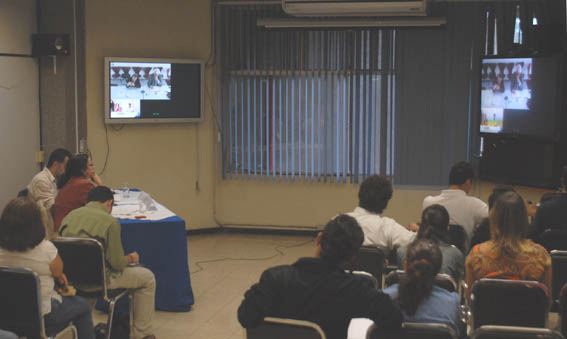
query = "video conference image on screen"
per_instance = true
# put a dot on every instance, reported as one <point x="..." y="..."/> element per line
<point x="132" y="82"/>
<point x="506" y="86"/>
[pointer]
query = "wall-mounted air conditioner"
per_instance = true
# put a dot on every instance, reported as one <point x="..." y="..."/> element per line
<point x="355" y="8"/>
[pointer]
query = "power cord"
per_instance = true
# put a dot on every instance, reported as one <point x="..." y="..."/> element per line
<point x="276" y="248"/>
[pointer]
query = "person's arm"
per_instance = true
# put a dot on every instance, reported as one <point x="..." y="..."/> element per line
<point x="96" y="180"/>
<point x="481" y="211"/>
<point x="114" y="251"/>
<point x="469" y="278"/>
<point x="547" y="274"/>
<point x="400" y="235"/>
<point x="42" y="192"/>
<point x="258" y="301"/>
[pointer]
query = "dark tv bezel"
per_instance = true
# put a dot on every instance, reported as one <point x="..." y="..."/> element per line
<point x="108" y="120"/>
<point x="538" y="137"/>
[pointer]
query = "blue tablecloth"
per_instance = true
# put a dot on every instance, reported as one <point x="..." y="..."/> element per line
<point x="162" y="246"/>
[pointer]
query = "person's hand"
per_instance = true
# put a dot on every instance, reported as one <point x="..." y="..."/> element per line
<point x="133" y="258"/>
<point x="62" y="279"/>
<point x="413" y="227"/>
<point x="531" y="208"/>
<point x="96" y="179"/>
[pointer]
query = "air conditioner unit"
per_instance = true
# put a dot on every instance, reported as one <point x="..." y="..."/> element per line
<point x="355" y="8"/>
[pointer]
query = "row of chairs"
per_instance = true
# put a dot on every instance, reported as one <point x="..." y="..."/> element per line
<point x="278" y="328"/>
<point x="84" y="266"/>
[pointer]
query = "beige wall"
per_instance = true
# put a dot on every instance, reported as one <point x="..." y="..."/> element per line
<point x="167" y="161"/>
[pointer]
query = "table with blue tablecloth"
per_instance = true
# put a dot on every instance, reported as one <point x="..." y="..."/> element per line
<point x="162" y="246"/>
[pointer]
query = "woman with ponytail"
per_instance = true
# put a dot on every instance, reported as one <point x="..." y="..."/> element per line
<point x="435" y="228"/>
<point x="418" y="299"/>
<point x="508" y="254"/>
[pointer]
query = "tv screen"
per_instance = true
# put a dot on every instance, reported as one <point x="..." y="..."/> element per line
<point x="141" y="90"/>
<point x="518" y="96"/>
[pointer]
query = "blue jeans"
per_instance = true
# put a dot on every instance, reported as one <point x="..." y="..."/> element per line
<point x="73" y="309"/>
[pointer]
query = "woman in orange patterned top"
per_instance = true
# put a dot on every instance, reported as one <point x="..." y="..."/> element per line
<point x="508" y="254"/>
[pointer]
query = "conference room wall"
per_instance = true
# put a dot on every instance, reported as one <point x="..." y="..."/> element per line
<point x="168" y="161"/>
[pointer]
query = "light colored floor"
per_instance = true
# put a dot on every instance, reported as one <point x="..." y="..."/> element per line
<point x="219" y="286"/>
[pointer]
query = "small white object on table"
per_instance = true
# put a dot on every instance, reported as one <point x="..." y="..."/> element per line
<point x="136" y="204"/>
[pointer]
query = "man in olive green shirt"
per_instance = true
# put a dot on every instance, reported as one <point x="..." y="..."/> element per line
<point x="95" y="221"/>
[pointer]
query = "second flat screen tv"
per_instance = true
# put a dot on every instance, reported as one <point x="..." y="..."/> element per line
<point x="142" y="90"/>
<point x="519" y="96"/>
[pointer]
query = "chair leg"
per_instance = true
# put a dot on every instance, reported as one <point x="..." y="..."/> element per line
<point x="111" y="305"/>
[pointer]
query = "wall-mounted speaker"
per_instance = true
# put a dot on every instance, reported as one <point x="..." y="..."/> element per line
<point x="50" y="44"/>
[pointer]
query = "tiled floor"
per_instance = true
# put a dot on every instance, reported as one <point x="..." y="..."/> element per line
<point x="219" y="286"/>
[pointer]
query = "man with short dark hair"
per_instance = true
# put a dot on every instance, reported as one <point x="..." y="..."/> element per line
<point x="318" y="289"/>
<point x="463" y="209"/>
<point x="373" y="196"/>
<point x="95" y="221"/>
<point x="43" y="187"/>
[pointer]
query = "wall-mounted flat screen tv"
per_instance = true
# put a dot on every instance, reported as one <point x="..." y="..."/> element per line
<point x="519" y="96"/>
<point x="143" y="90"/>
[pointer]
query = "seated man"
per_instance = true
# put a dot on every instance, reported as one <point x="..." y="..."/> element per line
<point x="43" y="187"/>
<point x="464" y="210"/>
<point x="94" y="221"/>
<point x="552" y="211"/>
<point x="379" y="231"/>
<point x="318" y="289"/>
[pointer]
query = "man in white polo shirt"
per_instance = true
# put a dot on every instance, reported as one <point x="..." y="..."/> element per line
<point x="463" y="209"/>
<point x="379" y="231"/>
<point x="43" y="187"/>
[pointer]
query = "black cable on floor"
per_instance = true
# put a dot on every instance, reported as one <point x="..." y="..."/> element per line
<point x="276" y="248"/>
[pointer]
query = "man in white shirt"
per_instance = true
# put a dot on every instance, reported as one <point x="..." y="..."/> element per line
<point x="379" y="231"/>
<point x="464" y="210"/>
<point x="43" y="187"/>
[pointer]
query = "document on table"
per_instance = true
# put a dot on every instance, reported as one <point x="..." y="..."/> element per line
<point x="131" y="207"/>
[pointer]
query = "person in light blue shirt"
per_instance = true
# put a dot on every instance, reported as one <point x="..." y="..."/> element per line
<point x="417" y="297"/>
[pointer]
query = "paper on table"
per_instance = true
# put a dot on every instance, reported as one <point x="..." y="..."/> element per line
<point x="130" y="208"/>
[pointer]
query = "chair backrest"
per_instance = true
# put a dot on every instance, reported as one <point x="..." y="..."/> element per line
<point x="83" y="264"/>
<point x="23" y="193"/>
<point x="558" y="271"/>
<point x="507" y="332"/>
<point x="442" y="280"/>
<point x="509" y="302"/>
<point x="413" y="331"/>
<point x="368" y="276"/>
<point x="554" y="239"/>
<point x="458" y="237"/>
<point x="20" y="305"/>
<point x="372" y="260"/>
<point x="279" y="328"/>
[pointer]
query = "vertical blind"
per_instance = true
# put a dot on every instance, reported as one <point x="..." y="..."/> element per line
<point x="312" y="105"/>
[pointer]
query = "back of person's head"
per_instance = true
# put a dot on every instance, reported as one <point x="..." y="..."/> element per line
<point x="59" y="156"/>
<point x="76" y="167"/>
<point x="496" y="192"/>
<point x="340" y="241"/>
<point x="434" y="224"/>
<point x="374" y="193"/>
<point x="508" y="223"/>
<point x="100" y="194"/>
<point x="423" y="262"/>
<point x="460" y="173"/>
<point x="21" y="226"/>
